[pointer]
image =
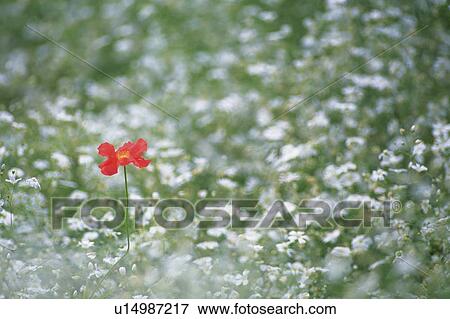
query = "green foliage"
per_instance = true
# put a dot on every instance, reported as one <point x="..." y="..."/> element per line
<point x="226" y="70"/>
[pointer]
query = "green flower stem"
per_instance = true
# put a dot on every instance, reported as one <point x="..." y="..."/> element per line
<point x="11" y="206"/>
<point x="127" y="232"/>
<point x="126" y="210"/>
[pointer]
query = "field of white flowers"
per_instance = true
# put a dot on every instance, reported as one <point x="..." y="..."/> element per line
<point x="227" y="70"/>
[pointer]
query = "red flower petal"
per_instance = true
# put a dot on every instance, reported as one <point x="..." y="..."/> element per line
<point x="128" y="153"/>
<point x="106" y="149"/>
<point x="141" y="162"/>
<point x="125" y="147"/>
<point x="139" y="147"/>
<point x="109" y="167"/>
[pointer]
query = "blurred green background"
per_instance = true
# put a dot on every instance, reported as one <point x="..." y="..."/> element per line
<point x="226" y="69"/>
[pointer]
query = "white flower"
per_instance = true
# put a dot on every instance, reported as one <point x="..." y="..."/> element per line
<point x="301" y="151"/>
<point x="85" y="159"/>
<point x="251" y="235"/>
<point x="204" y="263"/>
<point x="341" y="251"/>
<point x="378" y="175"/>
<point x="85" y="243"/>
<point x="276" y="132"/>
<point x="227" y="183"/>
<point x="33" y="183"/>
<point x="319" y="120"/>
<point x="331" y="237"/>
<point x="257" y="248"/>
<point x="77" y="194"/>
<point x="361" y="243"/>
<point x="272" y="272"/>
<point x="425" y="205"/>
<point x="354" y="141"/>
<point x="110" y="260"/>
<point x="419" y="148"/>
<point x="208" y="245"/>
<point x="14" y="176"/>
<point x="91" y="255"/>
<point x="388" y="158"/>
<point x="6" y="117"/>
<point x="282" y="247"/>
<point x="417" y="167"/>
<point x="62" y="160"/>
<point x="298" y="236"/>
<point x="342" y="176"/>
<point x="41" y="164"/>
<point x="90" y="236"/>
<point x="6" y="218"/>
<point x="238" y="279"/>
<point x="123" y="271"/>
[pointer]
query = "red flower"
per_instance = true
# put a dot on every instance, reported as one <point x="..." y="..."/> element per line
<point x="128" y="153"/>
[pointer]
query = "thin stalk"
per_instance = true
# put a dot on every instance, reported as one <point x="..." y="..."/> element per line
<point x="11" y="206"/>
<point x="127" y="232"/>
